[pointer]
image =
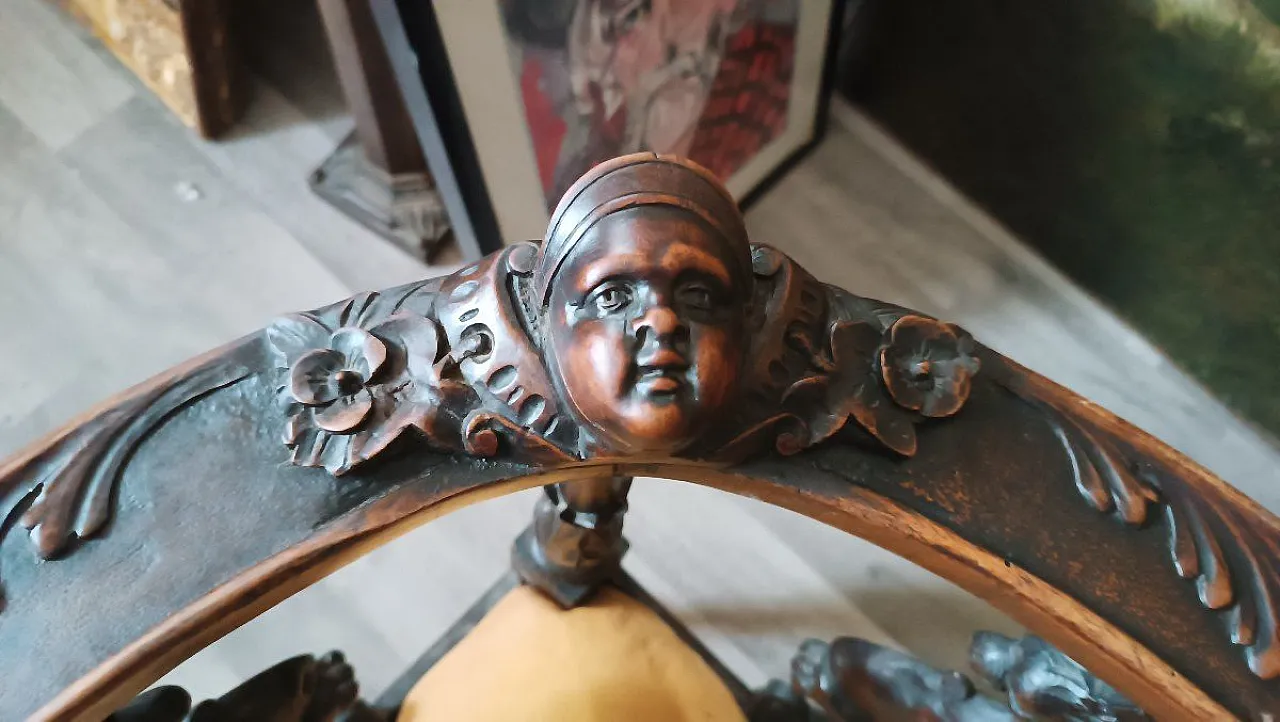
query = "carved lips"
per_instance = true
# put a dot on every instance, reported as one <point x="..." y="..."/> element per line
<point x="661" y="374"/>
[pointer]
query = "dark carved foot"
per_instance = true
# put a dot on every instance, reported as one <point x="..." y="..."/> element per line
<point x="575" y="543"/>
<point x="301" y="689"/>
<point x="361" y="712"/>
<point x="333" y="688"/>
<point x="808" y="679"/>
<point x="779" y="702"/>
<point x="162" y="704"/>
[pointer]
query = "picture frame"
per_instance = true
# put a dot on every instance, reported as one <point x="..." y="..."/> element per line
<point x="514" y="99"/>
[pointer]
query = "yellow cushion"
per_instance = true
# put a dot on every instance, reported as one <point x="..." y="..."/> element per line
<point x="612" y="659"/>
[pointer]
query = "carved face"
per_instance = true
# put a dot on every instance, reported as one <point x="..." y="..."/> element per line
<point x="646" y="325"/>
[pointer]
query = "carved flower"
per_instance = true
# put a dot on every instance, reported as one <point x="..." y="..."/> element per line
<point x="928" y="366"/>
<point x="354" y="389"/>
<point x="849" y="388"/>
<point x="335" y="379"/>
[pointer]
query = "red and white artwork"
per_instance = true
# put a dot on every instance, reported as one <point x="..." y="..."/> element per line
<point x="706" y="79"/>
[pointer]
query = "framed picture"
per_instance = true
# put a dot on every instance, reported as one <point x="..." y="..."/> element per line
<point x="514" y="99"/>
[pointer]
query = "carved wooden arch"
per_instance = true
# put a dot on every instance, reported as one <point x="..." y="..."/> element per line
<point x="199" y="499"/>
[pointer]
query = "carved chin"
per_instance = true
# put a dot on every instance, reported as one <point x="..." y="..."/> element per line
<point x="658" y="420"/>
<point x="651" y="423"/>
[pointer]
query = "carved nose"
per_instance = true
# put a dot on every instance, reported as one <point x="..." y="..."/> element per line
<point x="660" y="320"/>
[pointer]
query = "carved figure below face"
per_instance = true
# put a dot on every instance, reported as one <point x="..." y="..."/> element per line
<point x="644" y="326"/>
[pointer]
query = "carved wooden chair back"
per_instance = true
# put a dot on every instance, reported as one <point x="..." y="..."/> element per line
<point x="645" y="336"/>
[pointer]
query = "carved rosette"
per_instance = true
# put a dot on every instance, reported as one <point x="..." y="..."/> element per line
<point x="885" y="382"/>
<point x="354" y="383"/>
<point x="927" y="366"/>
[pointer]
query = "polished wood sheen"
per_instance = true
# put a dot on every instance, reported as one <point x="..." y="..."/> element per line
<point x="644" y="337"/>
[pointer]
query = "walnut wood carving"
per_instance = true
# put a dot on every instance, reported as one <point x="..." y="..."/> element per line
<point x="854" y="680"/>
<point x="1215" y="541"/>
<point x="644" y="336"/>
<point x="301" y="689"/>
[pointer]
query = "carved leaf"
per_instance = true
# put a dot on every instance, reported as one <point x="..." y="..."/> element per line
<point x="1197" y="555"/>
<point x="1234" y="563"/>
<point x="829" y="406"/>
<point x="1101" y="474"/>
<point x="850" y="389"/>
<point x="73" y="479"/>
<point x="294" y="335"/>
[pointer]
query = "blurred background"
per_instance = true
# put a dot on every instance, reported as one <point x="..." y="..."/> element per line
<point x="1090" y="188"/>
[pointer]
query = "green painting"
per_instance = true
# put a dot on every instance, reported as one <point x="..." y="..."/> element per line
<point x="1135" y="143"/>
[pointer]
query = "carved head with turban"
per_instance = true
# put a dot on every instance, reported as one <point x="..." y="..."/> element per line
<point x="644" y="300"/>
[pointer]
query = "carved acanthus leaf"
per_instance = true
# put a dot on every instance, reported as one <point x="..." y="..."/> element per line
<point x="848" y="388"/>
<point x="1101" y="474"/>
<point x="1234" y="562"/>
<point x="73" y="480"/>
<point x="64" y="491"/>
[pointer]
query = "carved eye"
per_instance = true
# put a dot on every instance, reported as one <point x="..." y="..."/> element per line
<point x="612" y="297"/>
<point x="697" y="296"/>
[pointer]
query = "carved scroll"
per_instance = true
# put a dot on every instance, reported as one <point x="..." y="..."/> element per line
<point x="61" y="490"/>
